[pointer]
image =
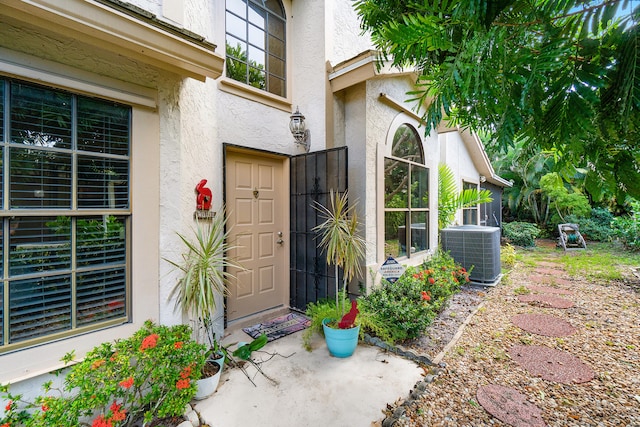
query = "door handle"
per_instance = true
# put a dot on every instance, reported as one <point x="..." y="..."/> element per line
<point x="280" y="241"/>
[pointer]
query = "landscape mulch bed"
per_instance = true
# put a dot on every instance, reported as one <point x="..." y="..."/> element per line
<point x="606" y="342"/>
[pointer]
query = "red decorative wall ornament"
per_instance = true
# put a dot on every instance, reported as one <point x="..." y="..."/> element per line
<point x="203" y="198"/>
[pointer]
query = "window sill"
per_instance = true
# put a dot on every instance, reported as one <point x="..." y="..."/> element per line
<point x="245" y="91"/>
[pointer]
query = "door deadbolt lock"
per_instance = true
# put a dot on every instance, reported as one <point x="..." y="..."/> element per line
<point x="280" y="241"/>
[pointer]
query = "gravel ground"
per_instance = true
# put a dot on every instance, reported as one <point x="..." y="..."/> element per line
<point x="607" y="340"/>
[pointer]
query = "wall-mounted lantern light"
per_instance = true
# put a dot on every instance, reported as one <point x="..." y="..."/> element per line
<point x="299" y="129"/>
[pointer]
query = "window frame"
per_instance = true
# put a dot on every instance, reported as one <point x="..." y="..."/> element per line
<point x="270" y="57"/>
<point x="75" y="212"/>
<point x="410" y="210"/>
<point x="471" y="211"/>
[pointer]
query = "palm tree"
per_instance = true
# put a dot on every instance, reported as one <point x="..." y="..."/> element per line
<point x="450" y="199"/>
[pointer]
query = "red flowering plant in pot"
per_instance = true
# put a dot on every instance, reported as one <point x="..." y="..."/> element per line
<point x="148" y="376"/>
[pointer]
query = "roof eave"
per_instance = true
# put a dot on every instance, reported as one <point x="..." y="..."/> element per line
<point x="122" y="31"/>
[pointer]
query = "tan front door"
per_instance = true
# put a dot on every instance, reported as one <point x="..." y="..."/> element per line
<point x="257" y="205"/>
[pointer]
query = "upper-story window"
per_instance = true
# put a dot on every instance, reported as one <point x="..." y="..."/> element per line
<point x="406" y="198"/>
<point x="470" y="214"/>
<point x="255" y="44"/>
<point x="64" y="213"/>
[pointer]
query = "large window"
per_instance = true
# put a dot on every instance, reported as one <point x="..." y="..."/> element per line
<point x="255" y="44"/>
<point x="470" y="214"/>
<point x="64" y="212"/>
<point x="406" y="199"/>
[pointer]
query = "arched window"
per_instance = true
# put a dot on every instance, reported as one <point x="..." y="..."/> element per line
<point x="406" y="198"/>
<point x="255" y="44"/>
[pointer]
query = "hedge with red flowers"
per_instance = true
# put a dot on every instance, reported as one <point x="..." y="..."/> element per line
<point x="149" y="375"/>
<point x="404" y="309"/>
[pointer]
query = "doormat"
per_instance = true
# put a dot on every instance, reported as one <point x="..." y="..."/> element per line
<point x="279" y="327"/>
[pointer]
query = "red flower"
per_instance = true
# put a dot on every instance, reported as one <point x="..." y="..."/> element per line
<point x="8" y="407"/>
<point x="432" y="280"/>
<point x="149" y="342"/>
<point x="45" y="407"/>
<point x="118" y="415"/>
<point x="5" y="425"/>
<point x="183" y="383"/>
<point x="186" y="372"/>
<point x="126" y="383"/>
<point x="101" y="422"/>
<point x="178" y="345"/>
<point x="426" y="296"/>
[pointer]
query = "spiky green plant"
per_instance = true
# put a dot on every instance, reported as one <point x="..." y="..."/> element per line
<point x="205" y="271"/>
<point x="340" y="238"/>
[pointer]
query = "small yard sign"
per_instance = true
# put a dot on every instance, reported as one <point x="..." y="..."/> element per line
<point x="391" y="270"/>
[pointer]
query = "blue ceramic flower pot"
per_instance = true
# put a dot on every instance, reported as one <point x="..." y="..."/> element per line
<point x="340" y="342"/>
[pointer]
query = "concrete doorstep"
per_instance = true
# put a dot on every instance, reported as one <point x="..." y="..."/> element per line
<point x="309" y="388"/>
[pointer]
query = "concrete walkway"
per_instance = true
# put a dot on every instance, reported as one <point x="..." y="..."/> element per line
<point x="310" y="388"/>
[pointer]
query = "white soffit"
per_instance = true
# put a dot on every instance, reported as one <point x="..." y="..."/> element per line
<point x="119" y="31"/>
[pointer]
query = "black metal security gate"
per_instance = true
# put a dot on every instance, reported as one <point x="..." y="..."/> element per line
<point x="313" y="176"/>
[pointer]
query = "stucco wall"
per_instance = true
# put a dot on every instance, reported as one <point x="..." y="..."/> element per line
<point x="177" y="140"/>
<point x="368" y="125"/>
<point x="344" y="39"/>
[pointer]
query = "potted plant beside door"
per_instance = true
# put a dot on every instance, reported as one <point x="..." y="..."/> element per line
<point x="345" y="248"/>
<point x="204" y="280"/>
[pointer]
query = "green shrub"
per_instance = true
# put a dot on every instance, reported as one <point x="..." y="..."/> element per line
<point x="317" y="312"/>
<point x="404" y="309"/>
<point x="597" y="228"/>
<point x="521" y="233"/>
<point x="627" y="228"/>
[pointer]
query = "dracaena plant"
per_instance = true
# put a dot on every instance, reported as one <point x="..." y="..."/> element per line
<point x="205" y="275"/>
<point x="340" y="238"/>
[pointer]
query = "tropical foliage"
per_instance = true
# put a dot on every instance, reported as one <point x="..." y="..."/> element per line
<point x="450" y="200"/>
<point x="340" y="239"/>
<point x="403" y="309"/>
<point x="118" y="384"/>
<point x="400" y="310"/>
<point x="627" y="228"/>
<point x="204" y="272"/>
<point x="561" y="76"/>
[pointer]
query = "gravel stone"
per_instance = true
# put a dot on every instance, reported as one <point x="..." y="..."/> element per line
<point x="607" y="341"/>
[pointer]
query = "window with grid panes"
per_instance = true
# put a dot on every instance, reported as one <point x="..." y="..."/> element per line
<point x="255" y="44"/>
<point x="64" y="195"/>
<point x="470" y="214"/>
<point x="406" y="198"/>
